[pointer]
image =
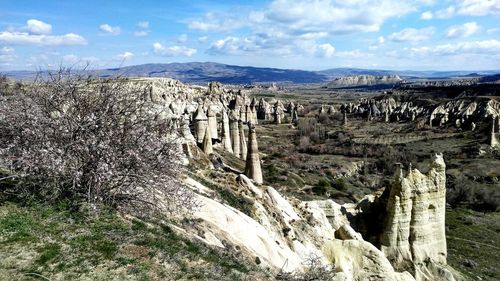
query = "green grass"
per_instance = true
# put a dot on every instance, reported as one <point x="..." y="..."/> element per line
<point x="55" y="243"/>
<point x="474" y="236"/>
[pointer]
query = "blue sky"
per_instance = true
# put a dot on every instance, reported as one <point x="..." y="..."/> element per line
<point x="312" y="34"/>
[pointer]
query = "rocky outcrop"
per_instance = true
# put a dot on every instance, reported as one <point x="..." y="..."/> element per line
<point x="363" y="80"/>
<point x="414" y="228"/>
<point x="252" y="167"/>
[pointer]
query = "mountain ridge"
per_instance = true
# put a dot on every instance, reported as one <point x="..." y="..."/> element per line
<point x="203" y="72"/>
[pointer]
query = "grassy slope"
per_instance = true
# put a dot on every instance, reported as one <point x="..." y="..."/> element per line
<point x="474" y="236"/>
<point x="40" y="241"/>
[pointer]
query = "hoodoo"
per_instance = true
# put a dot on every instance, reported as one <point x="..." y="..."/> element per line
<point x="252" y="167"/>
<point x="200" y="124"/>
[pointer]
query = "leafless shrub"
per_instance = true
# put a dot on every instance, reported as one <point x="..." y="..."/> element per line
<point x="102" y="141"/>
<point x="314" y="270"/>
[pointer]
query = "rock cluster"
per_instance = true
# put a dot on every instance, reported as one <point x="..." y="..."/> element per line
<point x="363" y="80"/>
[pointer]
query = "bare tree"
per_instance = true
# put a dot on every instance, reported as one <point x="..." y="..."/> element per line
<point x="102" y="141"/>
<point x="314" y="270"/>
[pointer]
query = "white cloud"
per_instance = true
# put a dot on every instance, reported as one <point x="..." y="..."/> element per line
<point x="426" y="15"/>
<point x="108" y="29"/>
<point x="38" y="27"/>
<point x="141" y="33"/>
<point x="412" y="35"/>
<point x="467" y="47"/>
<point x="143" y="24"/>
<point x="71" y="58"/>
<point x="45" y="40"/>
<point x="479" y="7"/>
<point x="325" y="50"/>
<point x="493" y="30"/>
<point x="124" y="56"/>
<point x="173" y="50"/>
<point x="217" y="22"/>
<point x="182" y="38"/>
<point x="7" y="55"/>
<point x="203" y="39"/>
<point x="464" y="30"/>
<point x="446" y="13"/>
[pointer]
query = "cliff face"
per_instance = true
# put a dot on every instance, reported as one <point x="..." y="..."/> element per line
<point x="414" y="229"/>
<point x="363" y="80"/>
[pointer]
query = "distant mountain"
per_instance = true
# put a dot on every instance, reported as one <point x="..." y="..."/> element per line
<point x="203" y="72"/>
<point x="196" y="72"/>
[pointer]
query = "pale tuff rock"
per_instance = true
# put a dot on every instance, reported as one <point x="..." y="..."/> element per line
<point x="235" y="133"/>
<point x="360" y="260"/>
<point x="494" y="142"/>
<point x="243" y="142"/>
<point x="207" y="143"/>
<point x="414" y="229"/>
<point x="200" y="124"/>
<point x="345" y="232"/>
<point x="212" y="122"/>
<point x="248" y="183"/>
<point x="363" y="80"/>
<point x="215" y="88"/>
<point x="226" y="136"/>
<point x="252" y="167"/>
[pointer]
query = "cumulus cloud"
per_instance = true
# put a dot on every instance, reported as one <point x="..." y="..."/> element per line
<point x="35" y="26"/>
<point x="203" y="39"/>
<point x="7" y="55"/>
<point x="325" y="50"/>
<point x="41" y="39"/>
<point x="182" y="38"/>
<point x="141" y="33"/>
<point x="379" y="42"/>
<point x="108" y="29"/>
<point x="412" y="35"/>
<point x="445" y="13"/>
<point x="124" y="56"/>
<point x="217" y="22"/>
<point x="467" y="47"/>
<point x="479" y="7"/>
<point x="298" y="27"/>
<point x="426" y="15"/>
<point x="143" y="24"/>
<point x="171" y="51"/>
<point x="464" y="30"/>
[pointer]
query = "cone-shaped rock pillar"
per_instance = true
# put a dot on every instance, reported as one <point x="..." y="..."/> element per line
<point x="243" y="142"/>
<point x="226" y="136"/>
<point x="345" y="118"/>
<point x="252" y="167"/>
<point x="212" y="123"/>
<point x="207" y="143"/>
<point x="235" y="134"/>
<point x="493" y="138"/>
<point x="200" y="124"/>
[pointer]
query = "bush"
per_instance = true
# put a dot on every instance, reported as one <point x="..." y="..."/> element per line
<point x="100" y="141"/>
<point x="314" y="270"/>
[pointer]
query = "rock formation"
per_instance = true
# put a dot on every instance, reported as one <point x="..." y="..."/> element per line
<point x="243" y="142"/>
<point x="212" y="123"/>
<point x="207" y="143"/>
<point x="235" y="134"/>
<point x="252" y="167"/>
<point x="226" y="135"/>
<point x="493" y="137"/>
<point x="200" y="124"/>
<point x="364" y="80"/>
<point x="414" y="228"/>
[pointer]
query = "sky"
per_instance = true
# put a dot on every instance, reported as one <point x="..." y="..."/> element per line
<point x="308" y="34"/>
